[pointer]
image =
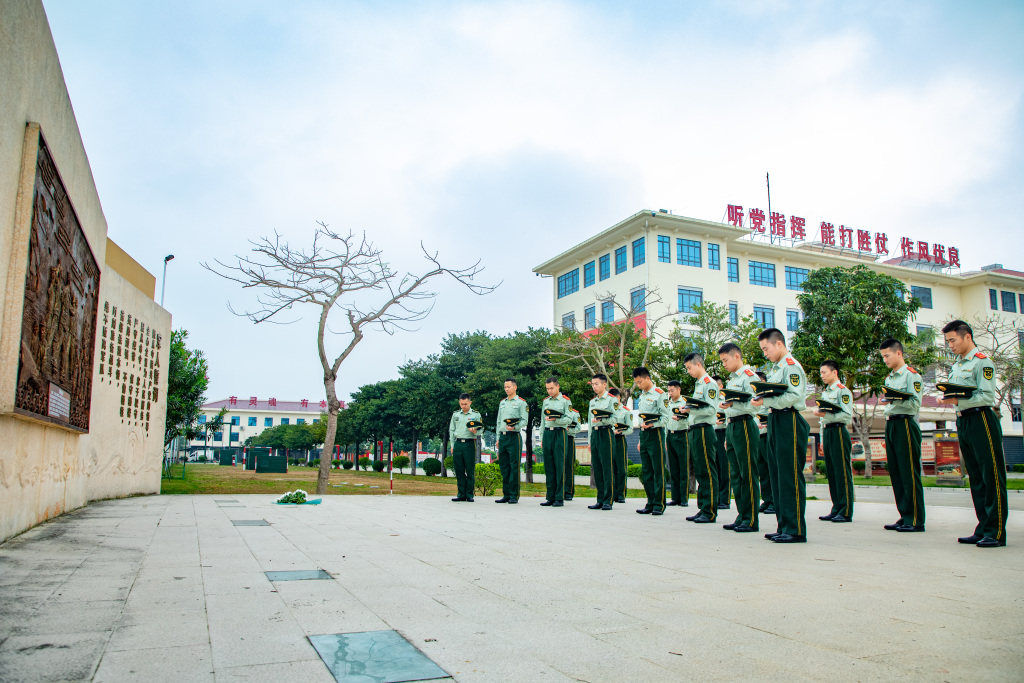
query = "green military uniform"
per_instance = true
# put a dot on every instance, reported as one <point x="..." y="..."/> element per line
<point x="464" y="451"/>
<point x="553" y="446"/>
<point x="764" y="472"/>
<point x="722" y="458"/>
<point x="652" y="447"/>
<point x="574" y="428"/>
<point x="620" y="459"/>
<point x="704" y="447"/>
<point x="677" y="446"/>
<point x="601" y="440"/>
<point x="787" y="445"/>
<point x="743" y="437"/>
<point x="981" y="443"/>
<point x="835" y="441"/>
<point x="903" y="446"/>
<point x="510" y="443"/>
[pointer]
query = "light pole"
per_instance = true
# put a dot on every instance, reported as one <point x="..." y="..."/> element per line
<point x="163" y="282"/>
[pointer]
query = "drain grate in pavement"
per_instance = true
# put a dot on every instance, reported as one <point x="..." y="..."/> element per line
<point x="298" y="575"/>
<point x="250" y="522"/>
<point x="383" y="656"/>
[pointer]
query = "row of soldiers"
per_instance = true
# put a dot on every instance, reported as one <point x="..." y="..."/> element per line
<point x="765" y="438"/>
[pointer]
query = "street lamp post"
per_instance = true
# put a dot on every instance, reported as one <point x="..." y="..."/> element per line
<point x="163" y="282"/>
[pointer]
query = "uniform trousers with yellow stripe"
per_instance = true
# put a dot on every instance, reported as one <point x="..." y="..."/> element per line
<point x="652" y="467"/>
<point x="703" y="452"/>
<point x="744" y="440"/>
<point x="570" y="465"/>
<point x="677" y="446"/>
<point x="722" y="458"/>
<point x="601" y="462"/>
<point x="787" y="446"/>
<point x="553" y="444"/>
<point x="764" y="472"/>
<point x="903" y="456"/>
<point x="620" y="463"/>
<point x="836" y="442"/>
<point x="510" y="450"/>
<point x="981" y="443"/>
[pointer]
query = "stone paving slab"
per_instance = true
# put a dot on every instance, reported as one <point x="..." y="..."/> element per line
<point x="167" y="588"/>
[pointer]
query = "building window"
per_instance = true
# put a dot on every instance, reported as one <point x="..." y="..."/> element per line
<point x="605" y="266"/>
<point x="639" y="252"/>
<point x="607" y="312"/>
<point x="664" y="249"/>
<point x="922" y="294"/>
<point x="285" y="420"/>
<point x="1021" y="297"/>
<point x="1009" y="302"/>
<point x="233" y="436"/>
<point x="765" y="316"/>
<point x="252" y="421"/>
<point x="620" y="260"/>
<point x="1020" y="337"/>
<point x="268" y="422"/>
<point x="792" y="320"/>
<point x="638" y="300"/>
<point x="589" y="317"/>
<point x="569" y="321"/>
<point x="688" y="252"/>
<point x="762" y="274"/>
<point x="925" y="333"/>
<point x="795" y="277"/>
<point x="993" y="300"/>
<point x="690" y="298"/>
<point x="236" y="420"/>
<point x="588" y="274"/>
<point x="734" y="269"/>
<point x="1015" y="412"/>
<point x="714" y="262"/>
<point x="734" y="313"/>
<point x="300" y="421"/>
<point x="218" y="436"/>
<point x="569" y="283"/>
<point x="202" y="419"/>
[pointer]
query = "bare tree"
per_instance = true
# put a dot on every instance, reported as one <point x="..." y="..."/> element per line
<point x="339" y="272"/>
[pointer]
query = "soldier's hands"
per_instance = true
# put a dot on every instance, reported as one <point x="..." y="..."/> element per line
<point x="949" y="401"/>
<point x="473" y="429"/>
<point x="819" y="413"/>
<point x="757" y="402"/>
<point x="725" y="404"/>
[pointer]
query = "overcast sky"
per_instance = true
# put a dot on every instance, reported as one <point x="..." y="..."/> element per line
<point x="509" y="132"/>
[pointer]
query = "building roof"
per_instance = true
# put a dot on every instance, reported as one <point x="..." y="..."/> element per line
<point x="313" y="406"/>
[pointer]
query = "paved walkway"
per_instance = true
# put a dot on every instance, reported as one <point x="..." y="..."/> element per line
<point x="166" y="589"/>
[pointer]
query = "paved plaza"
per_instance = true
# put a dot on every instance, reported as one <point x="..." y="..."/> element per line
<point x="168" y="588"/>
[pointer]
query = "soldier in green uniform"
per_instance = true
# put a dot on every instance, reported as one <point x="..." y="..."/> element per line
<point x="787" y="438"/>
<point x="601" y="438"/>
<point x="835" y="441"/>
<point x="764" y="472"/>
<point x="724" y="478"/>
<point x="980" y="435"/>
<point x="463" y="439"/>
<point x="677" y="444"/>
<point x="651" y="401"/>
<point x="743" y="437"/>
<point x="574" y="428"/>
<point x="513" y="417"/>
<point x="555" y="417"/>
<point x="903" y="439"/>
<point x="703" y="443"/>
<point x="620" y="459"/>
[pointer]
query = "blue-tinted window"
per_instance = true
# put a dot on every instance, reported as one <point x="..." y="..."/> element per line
<point x="233" y="436"/>
<point x="589" y="317"/>
<point x="236" y="420"/>
<point x="639" y="252"/>
<point x="202" y="419"/>
<point x="765" y="315"/>
<point x="688" y="298"/>
<point x="762" y="274"/>
<point x="268" y="422"/>
<point x="1022" y="303"/>
<point x="734" y="313"/>
<point x="607" y="312"/>
<point x="792" y="320"/>
<point x="1009" y="302"/>
<point x="664" y="249"/>
<point x="993" y="300"/>
<point x="638" y="300"/>
<point x="795" y="277"/>
<point x="252" y="421"/>
<point x="605" y="263"/>
<point x="688" y="252"/>
<point x="569" y="321"/>
<point x="218" y="436"/>
<point x="300" y="421"/>
<point x="923" y="294"/>
<point x="620" y="260"/>
<point x="285" y="420"/>
<point x="734" y="269"/>
<point x="569" y="283"/>
<point x="588" y="274"/>
<point x="714" y="262"/>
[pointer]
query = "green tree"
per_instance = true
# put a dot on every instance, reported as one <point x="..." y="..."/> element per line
<point x="745" y="336"/>
<point x="187" y="381"/>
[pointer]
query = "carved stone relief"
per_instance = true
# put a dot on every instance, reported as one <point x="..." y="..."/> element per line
<point x="130" y="361"/>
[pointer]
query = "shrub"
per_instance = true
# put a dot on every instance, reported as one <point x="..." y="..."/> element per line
<point x="379" y="465"/>
<point x="858" y="466"/>
<point x="314" y="463"/>
<point x="202" y="458"/>
<point x="1018" y="468"/>
<point x="449" y="463"/>
<point x="335" y="464"/>
<point x="347" y="464"/>
<point x="364" y="461"/>
<point x="431" y="466"/>
<point x="400" y="461"/>
<point x="820" y="464"/>
<point x="538" y="468"/>
<point x="633" y="470"/>
<point x="583" y="470"/>
<point x="488" y="477"/>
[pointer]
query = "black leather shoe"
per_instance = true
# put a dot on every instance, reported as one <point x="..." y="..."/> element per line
<point x="772" y="535"/>
<point x="893" y="527"/>
<point x="513" y="501"/>
<point x="789" y="538"/>
<point x="730" y="527"/>
<point x="701" y="519"/>
<point x="606" y="506"/>
<point x="839" y="519"/>
<point x="910" y="527"/>
<point x="644" y="511"/>
<point x="685" y="504"/>
<point x="458" y="500"/>
<point x="568" y="497"/>
<point x="657" y="512"/>
<point x="620" y="500"/>
<point x="547" y="503"/>
<point x="594" y="507"/>
<point x="692" y="517"/>
<point x="558" y="504"/>
<point x="672" y="502"/>
<point x="723" y="506"/>
<point x="827" y="518"/>
<point x="768" y="510"/>
<point x="764" y="506"/>
<point x="989" y="542"/>
<point x="972" y="539"/>
<point x="470" y="500"/>
<point x="501" y="500"/>
<point x="744" y="529"/>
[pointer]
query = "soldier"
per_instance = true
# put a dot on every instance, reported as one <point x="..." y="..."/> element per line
<point x="574" y="428"/>
<point x="743" y="437"/>
<point x="724" y="479"/>
<point x="556" y="413"/>
<point x="620" y="459"/>
<point x="513" y="416"/>
<point x="463" y="438"/>
<point x="601" y="438"/>
<point x="787" y="438"/>
<point x="653" y="406"/>
<point x="835" y="441"/>
<point x="703" y="443"/>
<point x="980" y="435"/>
<point x="677" y="445"/>
<point x="903" y="438"/>
<point x="764" y="472"/>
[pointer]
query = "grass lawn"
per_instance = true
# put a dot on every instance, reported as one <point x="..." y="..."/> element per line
<point x="927" y="482"/>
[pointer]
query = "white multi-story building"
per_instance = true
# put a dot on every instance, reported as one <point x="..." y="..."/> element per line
<point x="249" y="416"/>
<point x="660" y="263"/>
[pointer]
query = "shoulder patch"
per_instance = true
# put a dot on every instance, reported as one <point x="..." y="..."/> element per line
<point x="790" y="361"/>
<point x="979" y="354"/>
<point x="913" y="370"/>
<point x="917" y="387"/>
<point x="794" y="380"/>
<point x="659" y="390"/>
<point x="846" y="398"/>
<point x="988" y="372"/>
<point x="521" y="398"/>
<point x="565" y="397"/>
<point x="707" y="380"/>
<point x="750" y="373"/>
<point x="842" y="386"/>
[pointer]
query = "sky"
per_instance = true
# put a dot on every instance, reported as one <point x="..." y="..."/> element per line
<point x="508" y="132"/>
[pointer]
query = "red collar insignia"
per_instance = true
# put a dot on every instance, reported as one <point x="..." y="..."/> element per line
<point x="790" y="361"/>
<point x="979" y="354"/>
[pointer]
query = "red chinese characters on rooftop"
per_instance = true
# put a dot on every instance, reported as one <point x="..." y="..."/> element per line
<point x="323" y="405"/>
<point x="304" y="403"/>
<point x="252" y="400"/>
<point x="272" y="402"/>
<point x="232" y="400"/>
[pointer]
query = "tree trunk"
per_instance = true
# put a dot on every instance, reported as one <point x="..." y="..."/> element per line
<point x="444" y="454"/>
<point x="415" y="450"/>
<point x="333" y="406"/>
<point x="529" y="453"/>
<point x="863" y="429"/>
